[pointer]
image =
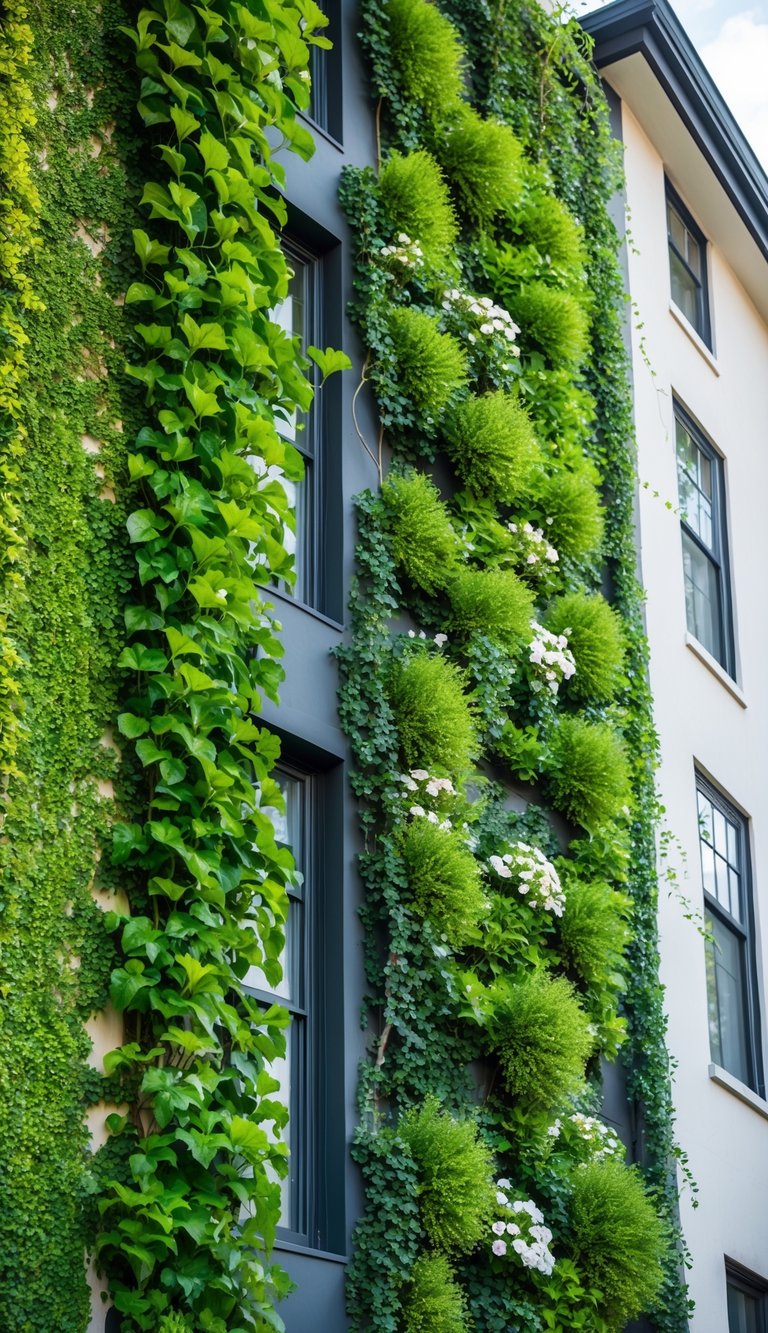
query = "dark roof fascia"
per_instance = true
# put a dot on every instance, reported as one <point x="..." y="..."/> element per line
<point x="652" y="29"/>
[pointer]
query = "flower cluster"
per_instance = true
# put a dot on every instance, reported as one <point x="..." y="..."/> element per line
<point x="489" y="330"/>
<point x="526" y="1235"/>
<point x="600" y="1140"/>
<point x="533" y="551"/>
<point x="551" y="659"/>
<point x="536" y="877"/>
<point x="428" y="792"/>
<point x="439" y="639"/>
<point x="407" y="252"/>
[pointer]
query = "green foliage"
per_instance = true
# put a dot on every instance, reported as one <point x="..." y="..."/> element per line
<point x="443" y="880"/>
<point x="492" y="444"/>
<point x="417" y="202"/>
<point x="544" y="221"/>
<point x="617" y="1239"/>
<point x="587" y="771"/>
<point x="427" y="56"/>
<point x="431" y="366"/>
<point x="595" y="638"/>
<point x="542" y="1038"/>
<point x="491" y="600"/>
<point x="568" y="505"/>
<point x="433" y="714"/>
<point x="174" y="1323"/>
<point x="456" y="1190"/>
<point x="552" y="321"/>
<point x="424" y="544"/>
<point x="482" y="161"/>
<point x="593" y="930"/>
<point x="435" y="1302"/>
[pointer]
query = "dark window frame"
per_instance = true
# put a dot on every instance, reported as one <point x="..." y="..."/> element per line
<point x="718" y="553"/>
<point x="743" y="930"/>
<point x="316" y="1110"/>
<point x="743" y="1280"/>
<point x="703" y="324"/>
<point x="325" y="111"/>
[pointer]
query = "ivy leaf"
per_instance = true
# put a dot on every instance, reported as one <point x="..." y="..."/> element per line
<point x="126" y="983"/>
<point x="203" y="336"/>
<point x="184" y="121"/>
<point x="214" y="153"/>
<point x="149" y="252"/>
<point x="249" y="1140"/>
<point x="131" y="726"/>
<point x="180" y="23"/>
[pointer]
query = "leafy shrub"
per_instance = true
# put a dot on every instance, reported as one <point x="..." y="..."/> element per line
<point x="570" y="512"/>
<point x="431" y="366"/>
<point x="427" y="55"/>
<point x="435" y="1302"/>
<point x="482" y="160"/>
<point x="174" y="1323"/>
<point x="492" y="600"/>
<point x="617" y="1238"/>
<point x="553" y="321"/>
<point x="520" y="749"/>
<point x="418" y="203"/>
<point x="433" y="714"/>
<point x="596" y="640"/>
<point x="542" y="1038"/>
<point x="593" y="930"/>
<point x="456" y="1170"/>
<point x="587" y="772"/>
<point x="423" y="542"/>
<point x="546" y="223"/>
<point x="491" y="442"/>
<point x="444" y="879"/>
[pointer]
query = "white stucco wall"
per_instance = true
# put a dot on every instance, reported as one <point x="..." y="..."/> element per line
<point x="698" y="719"/>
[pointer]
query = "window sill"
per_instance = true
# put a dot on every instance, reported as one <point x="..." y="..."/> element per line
<point x="303" y="606"/>
<point x="715" y="668"/>
<point x="725" y="1080"/>
<point x="291" y="1247"/>
<point x="696" y="339"/>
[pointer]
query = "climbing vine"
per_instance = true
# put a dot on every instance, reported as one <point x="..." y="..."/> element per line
<point x="489" y="298"/>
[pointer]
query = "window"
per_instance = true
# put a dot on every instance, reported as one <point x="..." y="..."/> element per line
<point x="325" y="68"/>
<point x="298" y="315"/>
<point x="701" y="489"/>
<point x="310" y="1075"/>
<point x="734" y="1026"/>
<point x="747" y="1302"/>
<point x="688" y="266"/>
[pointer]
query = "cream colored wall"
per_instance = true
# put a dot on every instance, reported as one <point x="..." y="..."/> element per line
<point x="697" y="717"/>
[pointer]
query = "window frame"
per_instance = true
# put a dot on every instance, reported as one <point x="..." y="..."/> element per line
<point x="325" y="112"/>
<point x="741" y="1279"/>
<point x="718" y="555"/>
<point x="744" y="931"/>
<point x="703" y="326"/>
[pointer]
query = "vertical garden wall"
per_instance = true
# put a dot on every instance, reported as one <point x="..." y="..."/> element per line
<point x="496" y="697"/>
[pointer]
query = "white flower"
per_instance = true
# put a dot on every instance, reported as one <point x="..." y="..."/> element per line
<point x="440" y="639"/>
<point x="432" y="817"/>
<point x="504" y="1184"/>
<point x="501" y="1197"/>
<point x="499" y="1228"/>
<point x="419" y="774"/>
<point x="499" y="1247"/>
<point x="417" y="810"/>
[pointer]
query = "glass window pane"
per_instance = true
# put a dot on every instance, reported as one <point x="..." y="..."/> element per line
<point x="676" y="228"/>
<point x="721" y="840"/>
<point x="705" y="817"/>
<point x="708" y="869"/>
<point x="693" y="254"/>
<point x="735" y="887"/>
<point x="725" y="974"/>
<point x="721" y="876"/>
<point x="685" y="291"/>
<point x="743" y="1312"/>
<point x="702" y="597"/>
<point x="733" y="844"/>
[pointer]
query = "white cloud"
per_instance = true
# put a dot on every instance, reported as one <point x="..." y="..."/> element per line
<point x="738" y="61"/>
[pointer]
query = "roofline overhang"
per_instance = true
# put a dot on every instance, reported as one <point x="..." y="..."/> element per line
<point x="651" y="28"/>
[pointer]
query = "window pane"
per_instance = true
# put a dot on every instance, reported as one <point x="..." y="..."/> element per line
<point x="292" y="316"/>
<point x="676" y="228"/>
<point x="685" y="291"/>
<point x="726" y="999"/>
<point x="692" y="253"/>
<point x="702" y="597"/>
<point x="743" y="1312"/>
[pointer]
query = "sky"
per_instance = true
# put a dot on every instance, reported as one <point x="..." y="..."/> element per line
<point x="731" y="37"/>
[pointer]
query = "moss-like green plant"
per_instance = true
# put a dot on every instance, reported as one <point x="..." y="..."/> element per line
<point x="553" y="321"/>
<point x="596" y="640"/>
<point x="426" y="54"/>
<point x="443" y="879"/>
<point x="433" y="714"/>
<point x="542" y="1038"/>
<point x="174" y="1323"/>
<point x="617" y="1238"/>
<point x="431" y="366"/>
<point x="546" y="223"/>
<point x="593" y="929"/>
<point x="570" y="512"/>
<point x="456" y="1169"/>
<point x="423" y="541"/>
<point x="491" y="442"/>
<point x="482" y="160"/>
<point x="587" y="771"/>
<point x="493" y="601"/>
<point x="418" y="203"/>
<point x="434" y="1302"/>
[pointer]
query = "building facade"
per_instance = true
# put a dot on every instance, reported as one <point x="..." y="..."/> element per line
<point x="697" y="270"/>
